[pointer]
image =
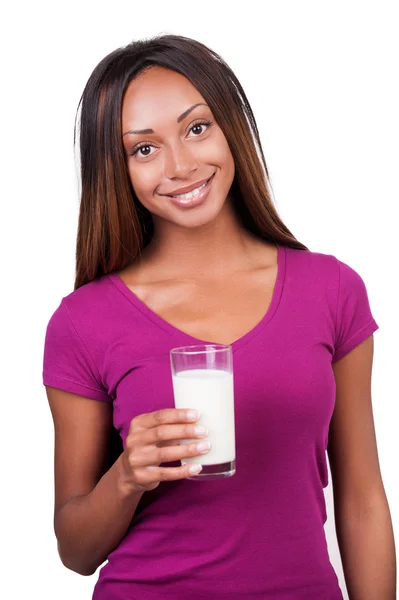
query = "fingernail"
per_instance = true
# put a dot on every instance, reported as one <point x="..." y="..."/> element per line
<point x="202" y="446"/>
<point x="195" y="469"/>
<point x="193" y="414"/>
<point x="203" y="431"/>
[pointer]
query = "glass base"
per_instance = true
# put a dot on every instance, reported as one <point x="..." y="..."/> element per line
<point x="216" y="471"/>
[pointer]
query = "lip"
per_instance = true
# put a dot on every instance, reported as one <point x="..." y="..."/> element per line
<point x="187" y="189"/>
<point x="191" y="202"/>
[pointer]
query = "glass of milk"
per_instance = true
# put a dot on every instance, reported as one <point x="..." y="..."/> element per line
<point x="203" y="380"/>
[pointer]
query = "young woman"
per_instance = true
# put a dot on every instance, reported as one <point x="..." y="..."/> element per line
<point x="179" y="244"/>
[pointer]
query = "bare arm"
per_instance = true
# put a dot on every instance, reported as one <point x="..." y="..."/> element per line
<point x="93" y="506"/>
<point x="95" y="503"/>
<point x="362" y="516"/>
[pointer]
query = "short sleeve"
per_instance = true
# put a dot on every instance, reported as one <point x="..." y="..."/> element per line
<point x="354" y="321"/>
<point x="67" y="364"/>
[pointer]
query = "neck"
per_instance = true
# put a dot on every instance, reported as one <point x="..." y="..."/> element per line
<point x="214" y="249"/>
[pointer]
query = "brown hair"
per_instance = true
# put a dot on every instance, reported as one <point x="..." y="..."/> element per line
<point x="113" y="225"/>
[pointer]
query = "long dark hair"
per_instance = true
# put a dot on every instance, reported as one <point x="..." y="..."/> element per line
<point x="113" y="225"/>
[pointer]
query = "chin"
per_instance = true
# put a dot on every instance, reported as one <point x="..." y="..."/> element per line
<point x="200" y="216"/>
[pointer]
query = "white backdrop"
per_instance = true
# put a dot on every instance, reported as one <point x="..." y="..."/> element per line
<point x="322" y="79"/>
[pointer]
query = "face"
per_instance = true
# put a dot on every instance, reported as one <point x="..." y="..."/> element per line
<point x="185" y="148"/>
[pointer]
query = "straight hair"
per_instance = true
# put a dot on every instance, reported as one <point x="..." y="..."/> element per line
<point x="113" y="226"/>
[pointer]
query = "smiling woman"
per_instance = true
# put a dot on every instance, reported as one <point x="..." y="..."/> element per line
<point x="179" y="244"/>
<point x="159" y="117"/>
<point x="186" y="193"/>
<point x="186" y="149"/>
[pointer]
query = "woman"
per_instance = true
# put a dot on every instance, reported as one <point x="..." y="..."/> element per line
<point x="160" y="265"/>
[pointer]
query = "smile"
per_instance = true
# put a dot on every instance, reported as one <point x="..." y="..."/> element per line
<point x="193" y="198"/>
<point x="193" y="193"/>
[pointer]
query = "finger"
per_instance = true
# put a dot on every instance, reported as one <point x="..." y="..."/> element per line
<point x="154" y="456"/>
<point x="166" y="433"/>
<point x="168" y="443"/>
<point x="164" y="416"/>
<point x="153" y="474"/>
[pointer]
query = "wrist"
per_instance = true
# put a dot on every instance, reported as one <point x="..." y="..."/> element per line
<point x="126" y="487"/>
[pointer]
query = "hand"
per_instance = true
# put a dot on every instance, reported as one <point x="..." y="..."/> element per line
<point x="150" y="441"/>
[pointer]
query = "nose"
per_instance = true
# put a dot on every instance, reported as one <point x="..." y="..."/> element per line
<point x="180" y="161"/>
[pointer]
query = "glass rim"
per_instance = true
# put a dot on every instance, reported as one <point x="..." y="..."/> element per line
<point x="207" y="348"/>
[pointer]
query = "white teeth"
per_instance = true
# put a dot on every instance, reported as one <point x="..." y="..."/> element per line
<point x="193" y="193"/>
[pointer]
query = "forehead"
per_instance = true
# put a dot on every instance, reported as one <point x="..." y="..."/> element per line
<point x="157" y="94"/>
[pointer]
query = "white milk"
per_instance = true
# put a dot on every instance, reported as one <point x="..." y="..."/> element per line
<point x="211" y="392"/>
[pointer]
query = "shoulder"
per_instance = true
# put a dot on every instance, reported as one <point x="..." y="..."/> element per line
<point x="85" y="304"/>
<point x="89" y="297"/>
<point x="322" y="264"/>
<point x="90" y="292"/>
<point x="75" y="342"/>
<point x="325" y="275"/>
<point x="314" y="266"/>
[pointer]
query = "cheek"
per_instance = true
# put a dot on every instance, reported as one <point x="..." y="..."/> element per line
<point x="144" y="181"/>
<point x="226" y="162"/>
<point x="223" y="155"/>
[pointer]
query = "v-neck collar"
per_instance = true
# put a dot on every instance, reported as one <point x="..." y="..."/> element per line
<point x="186" y="338"/>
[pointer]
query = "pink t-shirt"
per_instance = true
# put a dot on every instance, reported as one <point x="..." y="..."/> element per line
<point x="258" y="535"/>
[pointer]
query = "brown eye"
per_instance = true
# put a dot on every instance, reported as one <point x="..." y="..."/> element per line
<point x="197" y="125"/>
<point x="200" y="125"/>
<point x="141" y="148"/>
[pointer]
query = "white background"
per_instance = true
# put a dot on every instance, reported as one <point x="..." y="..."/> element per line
<point x="322" y="80"/>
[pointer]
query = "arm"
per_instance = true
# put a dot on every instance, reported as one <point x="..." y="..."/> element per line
<point x="93" y="506"/>
<point x="362" y="516"/>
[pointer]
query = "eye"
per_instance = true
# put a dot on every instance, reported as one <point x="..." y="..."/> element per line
<point x="146" y="145"/>
<point x="201" y="124"/>
<point x="141" y="148"/>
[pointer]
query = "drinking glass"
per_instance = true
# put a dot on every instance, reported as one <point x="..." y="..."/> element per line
<point x="203" y="380"/>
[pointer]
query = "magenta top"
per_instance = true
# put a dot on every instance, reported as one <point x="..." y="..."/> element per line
<point x="259" y="534"/>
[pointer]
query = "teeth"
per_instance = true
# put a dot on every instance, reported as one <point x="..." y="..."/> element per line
<point x="193" y="193"/>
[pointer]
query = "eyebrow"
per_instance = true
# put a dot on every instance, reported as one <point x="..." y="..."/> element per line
<point x="179" y="119"/>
